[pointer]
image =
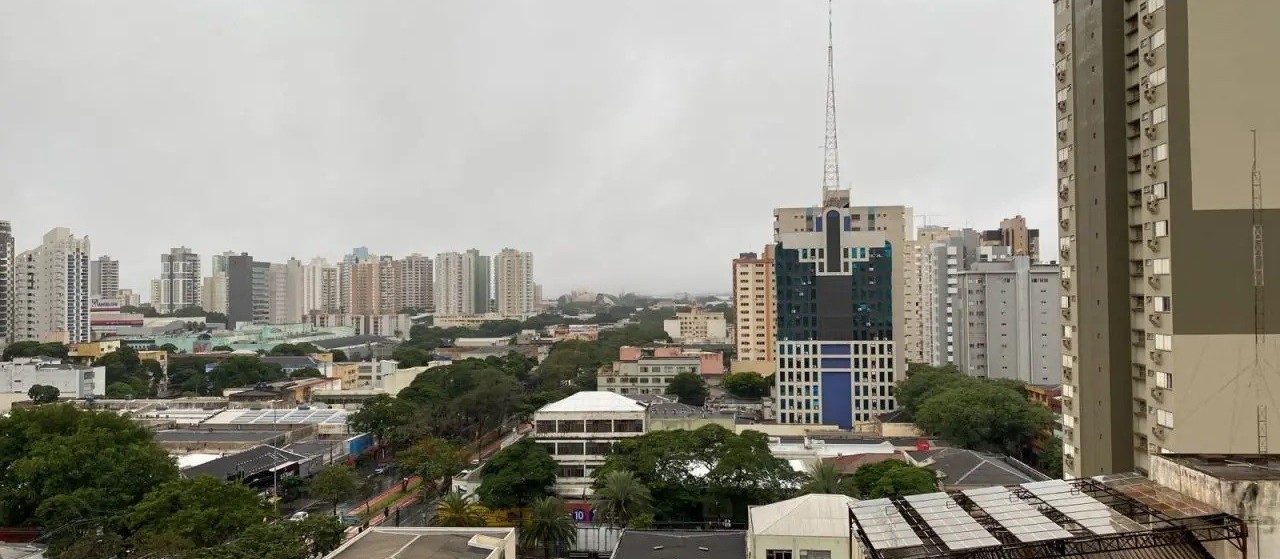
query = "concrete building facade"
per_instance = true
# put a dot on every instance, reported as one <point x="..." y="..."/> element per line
<point x="578" y="432"/>
<point x="1007" y="322"/>
<point x="104" y="278"/>
<point x="72" y="381"/>
<point x="51" y="295"/>
<point x="840" y="300"/>
<point x="650" y="370"/>
<point x="417" y="274"/>
<point x="513" y="284"/>
<point x="755" y="313"/>
<point x="320" y="287"/>
<point x="462" y="283"/>
<point x="1014" y="234"/>
<point x="1155" y="103"/>
<point x="697" y="326"/>
<point x="179" y="284"/>
<point x="6" y="283"/>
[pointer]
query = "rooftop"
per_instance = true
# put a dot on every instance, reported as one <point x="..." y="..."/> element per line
<point x="278" y="417"/>
<point x="664" y="410"/>
<point x="248" y="463"/>
<point x="190" y="436"/>
<point x="350" y="341"/>
<point x="645" y="544"/>
<point x="424" y="543"/>
<point x="958" y="468"/>
<point x="1236" y="467"/>
<point x="291" y="361"/>
<point x="813" y="515"/>
<point x="594" y="401"/>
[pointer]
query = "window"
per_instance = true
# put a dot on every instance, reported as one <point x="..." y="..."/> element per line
<point x="1163" y="342"/>
<point x="1160" y="152"/>
<point x="815" y="554"/>
<point x="1160" y="114"/>
<point x="1158" y="77"/>
<point x="573" y="471"/>
<point x="1159" y="191"/>
<point x="546" y="426"/>
<point x="1065" y="302"/>
<point x="1160" y="266"/>
<point x="1068" y="391"/>
<point x="1068" y="361"/>
<point x="1164" y="380"/>
<point x="1157" y="39"/>
<point x="1164" y="418"/>
<point x="569" y="449"/>
<point x="570" y="426"/>
<point x="628" y="426"/>
<point x="1064" y="154"/>
<point x="1153" y="5"/>
<point x="598" y="449"/>
<point x="1162" y="304"/>
<point x="1064" y="94"/>
<point x="1162" y="228"/>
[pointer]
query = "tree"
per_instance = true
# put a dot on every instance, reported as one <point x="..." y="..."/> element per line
<point x="60" y="464"/>
<point x="312" y="537"/>
<point x="432" y="459"/>
<point x="747" y="385"/>
<point x="338" y="355"/>
<point x="204" y="511"/>
<point x="169" y="348"/>
<point x="334" y="483"/>
<point x="33" y="349"/>
<point x="306" y="372"/>
<point x="1050" y="458"/>
<point x="380" y="415"/>
<point x="893" y="478"/>
<point x="458" y="510"/>
<point x="621" y="498"/>
<point x="983" y="416"/>
<point x="516" y="476"/>
<point x="295" y="350"/>
<point x="689" y="388"/>
<point x="120" y="391"/>
<point x="223" y="348"/>
<point x="242" y="370"/>
<point x="549" y="526"/>
<point x="924" y="381"/>
<point x="825" y="477"/>
<point x="43" y="393"/>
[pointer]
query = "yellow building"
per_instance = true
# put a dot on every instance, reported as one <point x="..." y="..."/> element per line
<point x="756" y="313"/>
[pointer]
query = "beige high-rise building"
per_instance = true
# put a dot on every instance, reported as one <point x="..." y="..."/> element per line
<point x="513" y="281"/>
<point x="213" y="293"/>
<point x="320" y="287"/>
<point x="755" y="311"/>
<point x="1014" y="234"/>
<point x="361" y="286"/>
<point x="1155" y="104"/>
<point x="51" y="299"/>
<point x="6" y="283"/>
<point x="390" y="286"/>
<point x="417" y="276"/>
<point x="104" y="278"/>
<point x="286" y="298"/>
<point x="462" y="283"/>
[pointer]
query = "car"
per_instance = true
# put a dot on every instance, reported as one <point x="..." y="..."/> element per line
<point x="382" y="469"/>
<point x="300" y="515"/>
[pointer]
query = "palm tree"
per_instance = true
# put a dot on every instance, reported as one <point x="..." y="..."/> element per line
<point x="458" y="510"/>
<point x="824" y="477"/>
<point x="621" y="498"/>
<point x="548" y="526"/>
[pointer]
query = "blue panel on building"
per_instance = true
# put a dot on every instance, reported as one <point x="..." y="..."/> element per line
<point x="841" y="363"/>
<point x="835" y="349"/>
<point x="837" y="402"/>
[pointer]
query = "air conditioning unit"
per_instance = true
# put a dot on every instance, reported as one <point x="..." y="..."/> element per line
<point x="1153" y="244"/>
<point x="1155" y="357"/>
<point x="1066" y="342"/>
<point x="1062" y="75"/>
<point x="1148" y="20"/>
<point x="1066" y="313"/>
<point x="1065" y="252"/>
<point x="1153" y="449"/>
<point x="1151" y="170"/>
<point x="1066" y="283"/>
<point x="1158" y="432"/>
<point x="1062" y="135"/>
<point x="1149" y="58"/>
<point x="1064" y="193"/>
<point x="1153" y="205"/>
<point x="1061" y="46"/>
<point x="1154" y="319"/>
<point x="1158" y="394"/>
<point x="1150" y="131"/>
<point x="1149" y="93"/>
<point x="1062" y="106"/>
<point x="1065" y="223"/>
<point x="1063" y="164"/>
<point x="1153" y="281"/>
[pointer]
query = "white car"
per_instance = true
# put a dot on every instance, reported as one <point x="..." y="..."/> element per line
<point x="300" y="515"/>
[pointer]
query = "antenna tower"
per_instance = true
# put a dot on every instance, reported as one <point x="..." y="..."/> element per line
<point x="1259" y="294"/>
<point x="831" y="162"/>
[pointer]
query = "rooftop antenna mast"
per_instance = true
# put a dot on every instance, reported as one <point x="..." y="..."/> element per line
<point x="831" y="149"/>
<point x="1259" y="297"/>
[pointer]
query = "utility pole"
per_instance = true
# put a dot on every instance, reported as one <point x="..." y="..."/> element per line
<point x="1259" y="293"/>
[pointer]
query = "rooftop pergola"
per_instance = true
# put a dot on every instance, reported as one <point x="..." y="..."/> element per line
<point x="1110" y="516"/>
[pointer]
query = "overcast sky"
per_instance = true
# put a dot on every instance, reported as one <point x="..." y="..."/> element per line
<point x="635" y="145"/>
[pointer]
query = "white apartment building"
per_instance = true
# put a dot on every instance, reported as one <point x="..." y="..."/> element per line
<point x="320" y="287"/>
<point x="459" y="288"/>
<point x="179" y="283"/>
<point x="650" y="370"/>
<point x="756" y="312"/>
<point x="1007" y="324"/>
<point x="933" y="263"/>
<point x="697" y="326"/>
<point x="578" y="432"/>
<point x="51" y="293"/>
<point x="285" y="304"/>
<point x="72" y="381"/>
<point x="213" y="293"/>
<point x="6" y="282"/>
<point x="514" y="284"/>
<point x="417" y="282"/>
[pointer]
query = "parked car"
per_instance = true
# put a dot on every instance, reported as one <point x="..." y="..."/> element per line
<point x="382" y="469"/>
<point x="300" y="515"/>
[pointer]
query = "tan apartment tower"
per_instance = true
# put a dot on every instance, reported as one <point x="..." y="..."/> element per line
<point x="755" y="312"/>
<point x="1169" y="342"/>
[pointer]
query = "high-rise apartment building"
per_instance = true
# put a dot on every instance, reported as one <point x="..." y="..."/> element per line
<point x="417" y="283"/>
<point x="249" y="290"/>
<point x="462" y="284"/>
<point x="51" y="301"/>
<point x="839" y="290"/>
<point x="1014" y="234"/>
<point x="514" y="284"/>
<point x="320" y="287"/>
<point x="104" y="278"/>
<point x="1007" y="321"/>
<point x="213" y="293"/>
<point x="755" y="314"/>
<point x="390" y="286"/>
<point x="285" y="287"/>
<point x="1156" y="102"/>
<point x="6" y="283"/>
<point x="481" y="280"/>
<point x="179" y="283"/>
<point x="932" y="264"/>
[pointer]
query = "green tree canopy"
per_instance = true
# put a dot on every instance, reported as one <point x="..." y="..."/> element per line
<point x="435" y="460"/>
<point x="1050" y="458"/>
<point x="549" y="526"/>
<point x="517" y="476"/>
<point x="169" y="348"/>
<point x="824" y="477"/>
<point x="458" y="510"/>
<point x="338" y="355"/>
<point x="747" y="385"/>
<point x="60" y="464"/>
<point x="689" y="388"/>
<point x="296" y="350"/>
<point x="203" y="512"/>
<point x="43" y="393"/>
<point x="984" y="416"/>
<point x="893" y="478"/>
<point x="922" y="382"/>
<point x="334" y="483"/>
<point x="620" y="499"/>
<point x="242" y="370"/>
<point x="306" y="372"/>
<point x="33" y="349"/>
<point x="223" y="348"/>
<point x="381" y="415"/>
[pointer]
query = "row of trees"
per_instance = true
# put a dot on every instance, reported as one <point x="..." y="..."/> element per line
<point x="99" y="486"/>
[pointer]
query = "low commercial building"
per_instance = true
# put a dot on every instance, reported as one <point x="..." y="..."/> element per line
<point x="565" y="332"/>
<point x="72" y="381"/>
<point x="284" y="393"/>
<point x="671" y="416"/>
<point x="359" y="348"/>
<point x="429" y="543"/>
<point x="649" y="370"/>
<point x="386" y="325"/>
<point x="470" y="321"/>
<point x="578" y="432"/>
<point x="1244" y="485"/>
<point x="654" y="544"/>
<point x="811" y="526"/>
<point x="697" y="326"/>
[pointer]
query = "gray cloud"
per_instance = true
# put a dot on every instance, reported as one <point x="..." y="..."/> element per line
<point x="629" y="145"/>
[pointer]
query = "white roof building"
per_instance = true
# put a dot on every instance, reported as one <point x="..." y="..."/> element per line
<point x="593" y="401"/>
<point x="578" y="432"/>
<point x="802" y="526"/>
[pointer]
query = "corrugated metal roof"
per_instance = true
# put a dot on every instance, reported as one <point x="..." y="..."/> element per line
<point x="811" y="515"/>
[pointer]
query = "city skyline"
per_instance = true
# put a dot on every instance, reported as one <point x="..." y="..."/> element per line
<point x="663" y="121"/>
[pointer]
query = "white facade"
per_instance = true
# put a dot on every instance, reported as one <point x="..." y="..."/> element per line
<point x="1008" y="324"/>
<point x="697" y="327"/>
<point x="213" y="294"/>
<point x="386" y="325"/>
<point x="812" y="526"/>
<point x="455" y="285"/>
<point x="578" y="432"/>
<point x="6" y="282"/>
<point x="417" y="278"/>
<point x="320" y="287"/>
<point x="285" y="302"/>
<point x="514" y="284"/>
<point x="179" y="284"/>
<point x="52" y="290"/>
<point x="19" y="375"/>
